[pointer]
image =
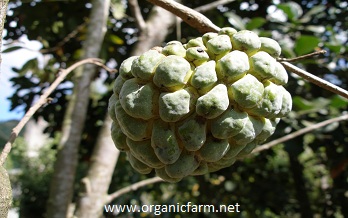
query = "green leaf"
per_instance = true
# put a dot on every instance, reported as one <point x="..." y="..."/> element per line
<point x="235" y="20"/>
<point x="338" y="102"/>
<point x="116" y="40"/>
<point x="306" y="44"/>
<point x="11" y="49"/>
<point x="338" y="49"/>
<point x="292" y="10"/>
<point x="301" y="104"/>
<point x="255" y="23"/>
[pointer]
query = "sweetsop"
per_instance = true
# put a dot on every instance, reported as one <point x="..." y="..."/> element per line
<point x="191" y="109"/>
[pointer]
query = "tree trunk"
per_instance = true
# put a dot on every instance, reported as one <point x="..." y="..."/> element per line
<point x="5" y="185"/>
<point x="99" y="175"/>
<point x="61" y="190"/>
<point x="97" y="181"/>
<point x="3" y="10"/>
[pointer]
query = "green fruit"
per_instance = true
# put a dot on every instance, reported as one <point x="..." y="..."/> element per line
<point x="247" y="91"/>
<point x="143" y="151"/>
<point x="232" y="66"/>
<point x="174" y="48"/>
<point x="214" y="149"/>
<point x="192" y="133"/>
<point x="143" y="66"/>
<point x="184" y="166"/>
<point x="118" y="137"/>
<point x="219" y="46"/>
<point x="139" y="166"/>
<point x="246" y="41"/>
<point x="139" y="101"/>
<point x="196" y="108"/>
<point x="213" y="103"/>
<point x="126" y="67"/>
<point x="262" y="66"/>
<point x="204" y="77"/>
<point x="172" y="73"/>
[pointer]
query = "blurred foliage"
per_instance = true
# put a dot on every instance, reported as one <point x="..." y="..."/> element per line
<point x="304" y="177"/>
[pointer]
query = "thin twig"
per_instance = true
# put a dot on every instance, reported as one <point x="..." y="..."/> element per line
<point x="190" y="16"/>
<point x="316" y="80"/>
<point x="298" y="133"/>
<point x="65" y="40"/>
<point x="43" y="100"/>
<point x="135" y="9"/>
<point x="132" y="187"/>
<point x="212" y="5"/>
<point x="302" y="56"/>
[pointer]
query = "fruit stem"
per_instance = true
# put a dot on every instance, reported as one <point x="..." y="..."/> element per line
<point x="301" y="57"/>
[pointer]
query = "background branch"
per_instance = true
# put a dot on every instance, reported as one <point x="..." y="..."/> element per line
<point x="43" y="100"/>
<point x="212" y="5"/>
<point x="316" y="80"/>
<point x="298" y="133"/>
<point x="132" y="187"/>
<point x="135" y="9"/>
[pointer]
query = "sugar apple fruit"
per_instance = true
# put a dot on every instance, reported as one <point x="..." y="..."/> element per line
<point x="191" y="109"/>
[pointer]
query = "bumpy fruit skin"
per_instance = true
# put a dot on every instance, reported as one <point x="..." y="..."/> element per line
<point x="190" y="109"/>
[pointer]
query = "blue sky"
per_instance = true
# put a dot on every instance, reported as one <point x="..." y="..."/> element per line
<point x="9" y="60"/>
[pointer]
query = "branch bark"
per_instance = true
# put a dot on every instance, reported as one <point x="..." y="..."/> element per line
<point x="98" y="179"/>
<point x="62" y="182"/>
<point x="3" y="10"/>
<point x="130" y="188"/>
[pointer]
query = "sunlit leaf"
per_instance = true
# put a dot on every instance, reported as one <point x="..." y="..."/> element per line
<point x="255" y="23"/>
<point x="315" y="29"/>
<point x="335" y="48"/>
<point x="292" y="10"/>
<point x="235" y="20"/>
<point x="118" y="9"/>
<point x="301" y="103"/>
<point x="312" y="12"/>
<point x="306" y="44"/>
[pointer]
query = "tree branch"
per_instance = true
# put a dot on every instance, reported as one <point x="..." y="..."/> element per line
<point x="135" y="9"/>
<point x="132" y="187"/>
<point x="43" y="100"/>
<point x="212" y="5"/>
<point x="298" y="133"/>
<point x="316" y="80"/>
<point x="65" y="40"/>
<point x="190" y="16"/>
